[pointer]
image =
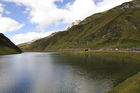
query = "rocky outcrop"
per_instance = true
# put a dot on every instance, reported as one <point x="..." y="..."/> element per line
<point x="76" y="22"/>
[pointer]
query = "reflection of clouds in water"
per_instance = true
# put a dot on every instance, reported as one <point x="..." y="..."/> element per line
<point x="21" y="86"/>
<point x="45" y="73"/>
<point x="13" y="78"/>
<point x="75" y="83"/>
<point x="6" y="78"/>
<point x="65" y="80"/>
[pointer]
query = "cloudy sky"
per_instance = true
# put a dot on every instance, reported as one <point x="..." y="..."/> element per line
<point x="24" y="20"/>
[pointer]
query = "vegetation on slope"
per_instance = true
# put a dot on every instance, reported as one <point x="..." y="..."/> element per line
<point x="7" y="47"/>
<point x="132" y="55"/>
<point x="116" y="28"/>
<point x="131" y="85"/>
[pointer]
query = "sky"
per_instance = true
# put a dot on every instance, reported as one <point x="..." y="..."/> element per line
<point x="24" y="20"/>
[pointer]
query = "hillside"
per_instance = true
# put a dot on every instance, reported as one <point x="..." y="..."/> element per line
<point x="115" y="28"/>
<point x="131" y="85"/>
<point x="7" y="47"/>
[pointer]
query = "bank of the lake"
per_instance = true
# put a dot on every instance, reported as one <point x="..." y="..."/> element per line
<point x="129" y="84"/>
<point x="129" y="54"/>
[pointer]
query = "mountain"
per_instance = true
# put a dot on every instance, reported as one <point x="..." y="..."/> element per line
<point x="36" y="45"/>
<point x="7" y="47"/>
<point x="115" y="28"/>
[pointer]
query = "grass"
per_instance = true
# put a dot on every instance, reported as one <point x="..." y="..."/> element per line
<point x="7" y="47"/>
<point x="7" y="50"/>
<point x="132" y="54"/>
<point x="130" y="85"/>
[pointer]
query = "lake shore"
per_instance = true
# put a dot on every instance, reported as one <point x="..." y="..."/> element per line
<point x="129" y="85"/>
<point x="130" y="54"/>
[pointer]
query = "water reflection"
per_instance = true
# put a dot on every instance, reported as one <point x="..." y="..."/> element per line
<point x="57" y="73"/>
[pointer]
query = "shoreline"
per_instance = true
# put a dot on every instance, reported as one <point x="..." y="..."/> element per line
<point x="122" y="86"/>
<point x="130" y="54"/>
<point x="130" y="85"/>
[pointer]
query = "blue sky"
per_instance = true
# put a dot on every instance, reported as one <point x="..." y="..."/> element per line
<point x="17" y="13"/>
<point x="24" y="20"/>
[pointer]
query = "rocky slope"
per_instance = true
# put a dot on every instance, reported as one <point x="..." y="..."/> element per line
<point x="7" y="47"/>
<point x="115" y="28"/>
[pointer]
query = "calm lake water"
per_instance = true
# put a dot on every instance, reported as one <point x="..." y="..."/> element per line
<point x="59" y="73"/>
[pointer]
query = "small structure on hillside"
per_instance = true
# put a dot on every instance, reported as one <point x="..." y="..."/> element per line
<point x="116" y="49"/>
<point x="86" y="49"/>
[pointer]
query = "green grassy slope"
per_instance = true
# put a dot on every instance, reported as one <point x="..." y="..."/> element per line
<point x="7" y="47"/>
<point x="118" y="27"/>
<point x="131" y="85"/>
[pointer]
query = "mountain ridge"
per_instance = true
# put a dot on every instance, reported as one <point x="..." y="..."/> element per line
<point x="115" y="28"/>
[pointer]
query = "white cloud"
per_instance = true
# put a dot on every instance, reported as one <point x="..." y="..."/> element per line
<point x="9" y="25"/>
<point x="21" y="38"/>
<point x="45" y="12"/>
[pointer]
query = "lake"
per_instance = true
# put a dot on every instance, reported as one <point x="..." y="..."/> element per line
<point x="60" y="73"/>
